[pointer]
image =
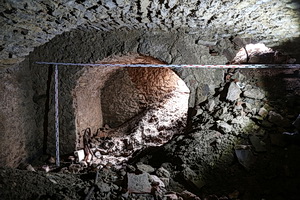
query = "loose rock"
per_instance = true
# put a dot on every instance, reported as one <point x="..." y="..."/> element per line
<point x="138" y="183"/>
<point x="145" y="168"/>
<point x="254" y="94"/>
<point x="263" y="112"/>
<point x="233" y="92"/>
<point x="224" y="126"/>
<point x="277" y="119"/>
<point x="245" y="156"/>
<point x="186" y="195"/>
<point x="162" y="172"/>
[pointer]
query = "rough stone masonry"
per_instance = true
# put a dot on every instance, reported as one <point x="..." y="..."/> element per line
<point x="26" y="25"/>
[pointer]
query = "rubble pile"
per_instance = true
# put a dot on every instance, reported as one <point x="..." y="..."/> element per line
<point x="240" y="129"/>
<point x="111" y="146"/>
<point x="153" y="127"/>
<point x="242" y="144"/>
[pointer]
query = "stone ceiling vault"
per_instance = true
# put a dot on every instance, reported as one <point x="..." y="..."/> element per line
<point x="28" y="24"/>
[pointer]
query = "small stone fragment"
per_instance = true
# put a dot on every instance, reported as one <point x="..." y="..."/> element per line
<point x="103" y="187"/>
<point x="277" y="119"/>
<point x="51" y="160"/>
<point x="138" y="183"/>
<point x="53" y="181"/>
<point x="110" y="4"/>
<point x="98" y="154"/>
<point x="166" y="181"/>
<point x="233" y="92"/>
<point x="234" y="195"/>
<point x="238" y="76"/>
<point x="224" y="126"/>
<point x="245" y="156"/>
<point x="79" y="155"/>
<point x="162" y="172"/>
<point x="240" y="85"/>
<point x="71" y="158"/>
<point x="192" y="178"/>
<point x="186" y="195"/>
<point x="263" y="112"/>
<point x="30" y="168"/>
<point x="154" y="178"/>
<point x="171" y="197"/>
<point x="145" y="168"/>
<point x="46" y="168"/>
<point x="199" y="112"/>
<point x="254" y="94"/>
<point x="210" y="105"/>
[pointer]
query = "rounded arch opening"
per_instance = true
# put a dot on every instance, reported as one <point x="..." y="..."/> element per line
<point x="128" y="108"/>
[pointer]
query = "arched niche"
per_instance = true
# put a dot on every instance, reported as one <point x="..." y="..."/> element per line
<point x="114" y="95"/>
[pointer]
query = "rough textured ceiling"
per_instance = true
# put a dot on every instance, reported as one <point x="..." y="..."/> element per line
<point x="28" y="24"/>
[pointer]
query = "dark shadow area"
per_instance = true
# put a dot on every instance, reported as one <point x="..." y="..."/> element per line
<point x="292" y="46"/>
<point x="47" y="109"/>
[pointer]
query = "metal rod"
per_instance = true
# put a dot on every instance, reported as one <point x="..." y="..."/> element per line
<point x="280" y="66"/>
<point x="56" y="116"/>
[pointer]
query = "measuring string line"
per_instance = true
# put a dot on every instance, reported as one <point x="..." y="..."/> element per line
<point x="56" y="115"/>
<point x="249" y="66"/>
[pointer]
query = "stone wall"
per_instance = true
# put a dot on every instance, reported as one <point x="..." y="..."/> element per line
<point x="18" y="134"/>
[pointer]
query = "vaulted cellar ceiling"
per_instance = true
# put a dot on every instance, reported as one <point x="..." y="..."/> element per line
<point x="28" y="24"/>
